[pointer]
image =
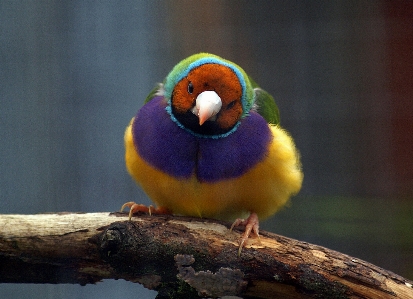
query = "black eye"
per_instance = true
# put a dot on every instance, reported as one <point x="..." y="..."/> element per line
<point x="190" y="87"/>
<point x="232" y="104"/>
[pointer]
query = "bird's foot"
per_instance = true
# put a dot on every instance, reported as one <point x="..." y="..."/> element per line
<point x="135" y="207"/>
<point x="251" y="225"/>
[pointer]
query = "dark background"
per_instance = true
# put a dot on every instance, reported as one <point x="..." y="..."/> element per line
<point x="73" y="73"/>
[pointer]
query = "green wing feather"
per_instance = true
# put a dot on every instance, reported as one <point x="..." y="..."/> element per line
<point x="153" y="92"/>
<point x="266" y="105"/>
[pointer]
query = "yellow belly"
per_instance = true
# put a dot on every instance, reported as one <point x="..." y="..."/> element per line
<point x="263" y="189"/>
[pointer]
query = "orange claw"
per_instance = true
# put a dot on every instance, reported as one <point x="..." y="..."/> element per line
<point x="251" y="224"/>
<point x="135" y="207"/>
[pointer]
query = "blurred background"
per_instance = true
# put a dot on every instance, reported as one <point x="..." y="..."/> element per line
<point x="73" y="73"/>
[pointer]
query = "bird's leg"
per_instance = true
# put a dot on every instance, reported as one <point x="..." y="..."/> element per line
<point x="251" y="224"/>
<point x="135" y="207"/>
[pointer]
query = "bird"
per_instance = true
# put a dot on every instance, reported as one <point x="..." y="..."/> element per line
<point x="208" y="143"/>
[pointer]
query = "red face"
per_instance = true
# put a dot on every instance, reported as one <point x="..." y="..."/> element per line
<point x="215" y="77"/>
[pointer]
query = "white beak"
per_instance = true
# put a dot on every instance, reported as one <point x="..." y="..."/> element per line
<point x="208" y="104"/>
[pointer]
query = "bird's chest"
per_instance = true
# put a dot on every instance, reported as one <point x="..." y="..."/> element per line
<point x="173" y="150"/>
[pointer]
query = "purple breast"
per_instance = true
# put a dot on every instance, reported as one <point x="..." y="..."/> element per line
<point x="171" y="149"/>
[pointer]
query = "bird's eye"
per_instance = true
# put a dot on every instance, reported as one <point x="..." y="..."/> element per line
<point x="231" y="104"/>
<point x="190" y="87"/>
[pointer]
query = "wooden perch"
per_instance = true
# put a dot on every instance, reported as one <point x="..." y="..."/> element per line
<point x="182" y="257"/>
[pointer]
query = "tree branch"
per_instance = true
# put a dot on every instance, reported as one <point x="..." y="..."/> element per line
<point x="182" y="257"/>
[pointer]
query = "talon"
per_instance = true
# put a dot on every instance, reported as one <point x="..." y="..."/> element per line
<point x="241" y="244"/>
<point x="127" y="204"/>
<point x="236" y="223"/>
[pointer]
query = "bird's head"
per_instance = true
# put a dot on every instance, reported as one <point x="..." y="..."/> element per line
<point x="208" y="95"/>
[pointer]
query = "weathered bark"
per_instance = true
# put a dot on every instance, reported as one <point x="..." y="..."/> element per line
<point x="182" y="257"/>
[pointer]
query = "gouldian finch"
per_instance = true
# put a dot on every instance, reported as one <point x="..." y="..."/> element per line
<point x="207" y="143"/>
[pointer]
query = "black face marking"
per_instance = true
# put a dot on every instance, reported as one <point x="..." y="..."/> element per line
<point x="191" y="122"/>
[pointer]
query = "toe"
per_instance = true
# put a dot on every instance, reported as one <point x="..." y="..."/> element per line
<point x="251" y="225"/>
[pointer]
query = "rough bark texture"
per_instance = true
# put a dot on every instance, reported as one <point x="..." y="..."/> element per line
<point x="182" y="257"/>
